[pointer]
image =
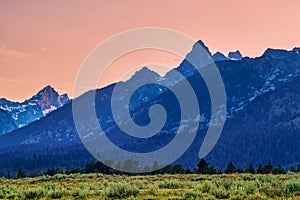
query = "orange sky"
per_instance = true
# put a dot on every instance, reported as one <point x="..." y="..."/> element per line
<point x="44" y="42"/>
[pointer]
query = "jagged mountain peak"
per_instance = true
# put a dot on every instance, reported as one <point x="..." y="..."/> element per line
<point x="199" y="56"/>
<point x="296" y="49"/>
<point x="146" y="70"/>
<point x="47" y="90"/>
<point x="202" y="44"/>
<point x="23" y="113"/>
<point x="218" y="56"/>
<point x="144" y="74"/>
<point x="235" y="55"/>
<point x="275" y="53"/>
<point x="49" y="93"/>
<point x="49" y="99"/>
<point x="4" y="101"/>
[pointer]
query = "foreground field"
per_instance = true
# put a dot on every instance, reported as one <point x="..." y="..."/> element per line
<point x="193" y="186"/>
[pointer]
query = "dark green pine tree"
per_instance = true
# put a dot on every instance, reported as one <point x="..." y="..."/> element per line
<point x="250" y="169"/>
<point x="239" y="170"/>
<point x="8" y="174"/>
<point x="230" y="169"/>
<point x="21" y="174"/>
<point x="89" y="168"/>
<point x="178" y="169"/>
<point x="260" y="169"/>
<point x="268" y="168"/>
<point x="188" y="171"/>
<point x="278" y="170"/>
<point x="168" y="169"/>
<point x="293" y="169"/>
<point x="101" y="168"/>
<point x="212" y="170"/>
<point x="203" y="167"/>
<point x="155" y="166"/>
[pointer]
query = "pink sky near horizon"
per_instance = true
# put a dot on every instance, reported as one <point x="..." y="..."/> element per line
<point x="45" y="42"/>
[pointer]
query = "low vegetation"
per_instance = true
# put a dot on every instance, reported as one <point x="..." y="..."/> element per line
<point x="97" y="181"/>
<point x="160" y="186"/>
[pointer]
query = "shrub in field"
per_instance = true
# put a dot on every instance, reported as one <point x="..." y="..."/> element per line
<point x="248" y="177"/>
<point x="190" y="195"/>
<point x="273" y="190"/>
<point x="220" y="193"/>
<point x="3" y="191"/>
<point x="237" y="185"/>
<point x="188" y="184"/>
<point x="250" y="188"/>
<point x="50" y="186"/>
<point x="205" y="187"/>
<point x="75" y="192"/>
<point x="78" y="193"/>
<point x="87" y="186"/>
<point x="195" y="195"/>
<point x="59" y="176"/>
<point x="120" y="190"/>
<point x="90" y="176"/>
<point x="267" y="179"/>
<point x="2" y="194"/>
<point x="74" y="175"/>
<point x="293" y="187"/>
<point x="255" y="197"/>
<point x="226" y="183"/>
<point x="140" y="183"/>
<point x="153" y="190"/>
<point x="9" y="192"/>
<point x="237" y="195"/>
<point x="34" y="193"/>
<point x="168" y="184"/>
<point x="56" y="194"/>
<point x="87" y="190"/>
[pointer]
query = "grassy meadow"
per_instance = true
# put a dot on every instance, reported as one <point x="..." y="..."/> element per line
<point x="184" y="186"/>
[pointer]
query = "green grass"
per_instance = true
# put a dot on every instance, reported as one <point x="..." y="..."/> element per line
<point x="191" y="186"/>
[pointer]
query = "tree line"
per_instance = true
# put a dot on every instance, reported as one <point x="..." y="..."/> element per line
<point x="203" y="167"/>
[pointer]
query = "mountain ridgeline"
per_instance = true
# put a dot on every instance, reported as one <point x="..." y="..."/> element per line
<point x="263" y="117"/>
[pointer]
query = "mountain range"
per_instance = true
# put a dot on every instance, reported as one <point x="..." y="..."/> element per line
<point x="263" y="117"/>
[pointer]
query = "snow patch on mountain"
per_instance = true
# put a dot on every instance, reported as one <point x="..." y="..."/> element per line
<point x="47" y="111"/>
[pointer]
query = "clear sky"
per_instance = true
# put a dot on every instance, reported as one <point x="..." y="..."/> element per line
<point x="44" y="42"/>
